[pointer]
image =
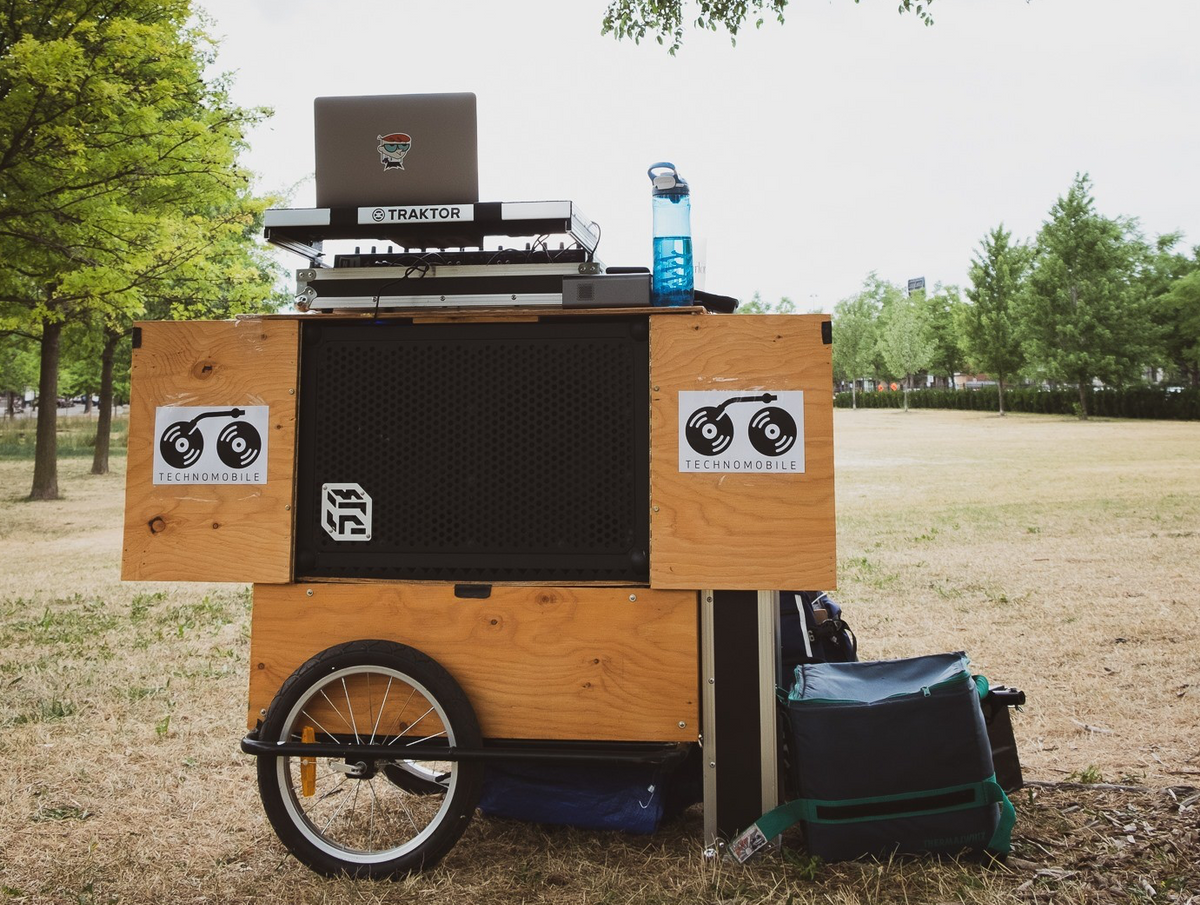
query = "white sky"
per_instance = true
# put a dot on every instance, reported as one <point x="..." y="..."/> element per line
<point x="847" y="140"/>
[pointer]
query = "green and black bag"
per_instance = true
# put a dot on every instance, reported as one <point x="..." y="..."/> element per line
<point x="888" y="757"/>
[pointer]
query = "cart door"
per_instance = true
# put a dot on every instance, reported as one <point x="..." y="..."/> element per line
<point x="211" y="463"/>
<point x="741" y="452"/>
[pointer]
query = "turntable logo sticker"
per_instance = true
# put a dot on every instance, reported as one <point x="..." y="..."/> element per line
<point x="211" y="445"/>
<point x="740" y="431"/>
<point x="346" y="511"/>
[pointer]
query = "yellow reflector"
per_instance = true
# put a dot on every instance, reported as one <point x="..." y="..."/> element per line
<point x="308" y="765"/>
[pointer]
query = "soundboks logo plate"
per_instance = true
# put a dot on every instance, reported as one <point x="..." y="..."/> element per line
<point x="346" y="512"/>
<point x="741" y="431"/>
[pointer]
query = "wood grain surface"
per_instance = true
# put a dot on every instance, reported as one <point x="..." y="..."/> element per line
<point x="741" y="530"/>
<point x="212" y="532"/>
<point x="535" y="662"/>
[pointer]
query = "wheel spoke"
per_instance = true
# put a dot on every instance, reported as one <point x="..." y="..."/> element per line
<point x="334" y="706"/>
<point x="382" y="705"/>
<point x="350" y="709"/>
<point x="319" y="726"/>
<point x="410" y="811"/>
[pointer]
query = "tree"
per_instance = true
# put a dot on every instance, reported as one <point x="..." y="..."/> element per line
<point x="18" y="369"/>
<point x="1169" y="280"/>
<point x="856" y="336"/>
<point x="988" y="325"/>
<point x="1181" y="303"/>
<point x="113" y="153"/>
<point x="229" y="273"/>
<point x="904" y="338"/>
<point x="756" y="305"/>
<point x="663" y="19"/>
<point x="1081" y="317"/>
<point x="942" y="310"/>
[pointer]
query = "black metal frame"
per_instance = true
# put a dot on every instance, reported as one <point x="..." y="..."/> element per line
<point x="512" y="750"/>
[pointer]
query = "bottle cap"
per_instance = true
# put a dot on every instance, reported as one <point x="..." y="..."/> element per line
<point x="669" y="183"/>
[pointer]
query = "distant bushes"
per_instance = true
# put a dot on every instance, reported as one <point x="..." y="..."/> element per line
<point x="76" y="436"/>
<point x="1133" y="402"/>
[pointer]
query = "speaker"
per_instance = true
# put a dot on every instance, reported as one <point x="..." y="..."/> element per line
<point x="514" y="451"/>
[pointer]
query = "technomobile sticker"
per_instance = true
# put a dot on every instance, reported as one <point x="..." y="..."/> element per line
<point x="211" y="445"/>
<point x="346" y="511"/>
<point x="732" y="431"/>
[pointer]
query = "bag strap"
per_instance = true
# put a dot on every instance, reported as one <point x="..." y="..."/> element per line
<point x="858" y="810"/>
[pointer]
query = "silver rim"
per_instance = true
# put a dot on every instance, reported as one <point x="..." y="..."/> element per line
<point x="356" y="813"/>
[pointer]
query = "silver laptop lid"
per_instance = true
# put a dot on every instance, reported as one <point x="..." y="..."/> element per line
<point x="396" y="149"/>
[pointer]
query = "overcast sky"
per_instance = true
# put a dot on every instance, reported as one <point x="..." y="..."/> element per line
<point x="847" y="140"/>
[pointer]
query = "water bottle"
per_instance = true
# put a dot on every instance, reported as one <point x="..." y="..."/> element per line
<point x="671" y="203"/>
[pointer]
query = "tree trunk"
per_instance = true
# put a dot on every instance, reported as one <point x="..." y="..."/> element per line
<point x="87" y="402"/>
<point x="853" y="395"/>
<point x="1000" y="383"/>
<point x="1083" y="412"/>
<point x="45" y="457"/>
<point x="906" y="381"/>
<point x="104" y="421"/>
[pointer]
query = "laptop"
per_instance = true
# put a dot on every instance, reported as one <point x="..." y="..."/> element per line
<point x="398" y="149"/>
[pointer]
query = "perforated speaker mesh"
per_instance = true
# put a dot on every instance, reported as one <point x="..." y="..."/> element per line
<point x="491" y="452"/>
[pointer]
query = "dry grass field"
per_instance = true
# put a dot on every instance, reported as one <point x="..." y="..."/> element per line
<point x="1062" y="556"/>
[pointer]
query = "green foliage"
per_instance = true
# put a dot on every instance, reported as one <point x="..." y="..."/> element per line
<point x="117" y="161"/>
<point x="989" y="325"/>
<point x="120" y="193"/>
<point x="943" y="311"/>
<point x="663" y="20"/>
<point x="756" y="305"/>
<point x="855" y="333"/>
<point x="1128" y="402"/>
<point x="904" y="337"/>
<point x="18" y="364"/>
<point x="1081" y="316"/>
<point x="76" y="437"/>
<point x="1089" y="775"/>
<point x="1179" y="310"/>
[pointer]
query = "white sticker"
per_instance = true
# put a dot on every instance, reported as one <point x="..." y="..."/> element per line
<point x="422" y="213"/>
<point x="744" y="846"/>
<point x="346" y="512"/>
<point x="741" y="431"/>
<point x="204" y="444"/>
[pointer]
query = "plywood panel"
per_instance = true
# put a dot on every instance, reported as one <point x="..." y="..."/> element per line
<point x="535" y="662"/>
<point x="220" y="531"/>
<point x="742" y="529"/>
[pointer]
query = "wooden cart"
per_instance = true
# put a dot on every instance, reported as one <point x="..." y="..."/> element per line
<point x="384" y="671"/>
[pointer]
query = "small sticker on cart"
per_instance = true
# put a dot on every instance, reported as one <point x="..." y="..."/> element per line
<point x="346" y="512"/>
<point x="741" y="432"/>
<point x="211" y="444"/>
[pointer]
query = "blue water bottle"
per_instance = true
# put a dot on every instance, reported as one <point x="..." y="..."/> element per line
<point x="671" y="203"/>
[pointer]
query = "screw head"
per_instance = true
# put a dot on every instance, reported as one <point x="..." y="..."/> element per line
<point x="633" y="598"/>
<point x="682" y="724"/>
<point x="309" y="592"/>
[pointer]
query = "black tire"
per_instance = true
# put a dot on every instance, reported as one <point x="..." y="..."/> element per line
<point x="358" y="820"/>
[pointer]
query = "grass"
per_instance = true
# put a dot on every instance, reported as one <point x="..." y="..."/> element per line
<point x="1061" y="555"/>
<point x="76" y="435"/>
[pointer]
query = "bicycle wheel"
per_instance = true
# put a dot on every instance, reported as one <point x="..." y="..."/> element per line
<point x="349" y="815"/>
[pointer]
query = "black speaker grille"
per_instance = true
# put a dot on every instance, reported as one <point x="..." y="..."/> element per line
<point x="492" y="452"/>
